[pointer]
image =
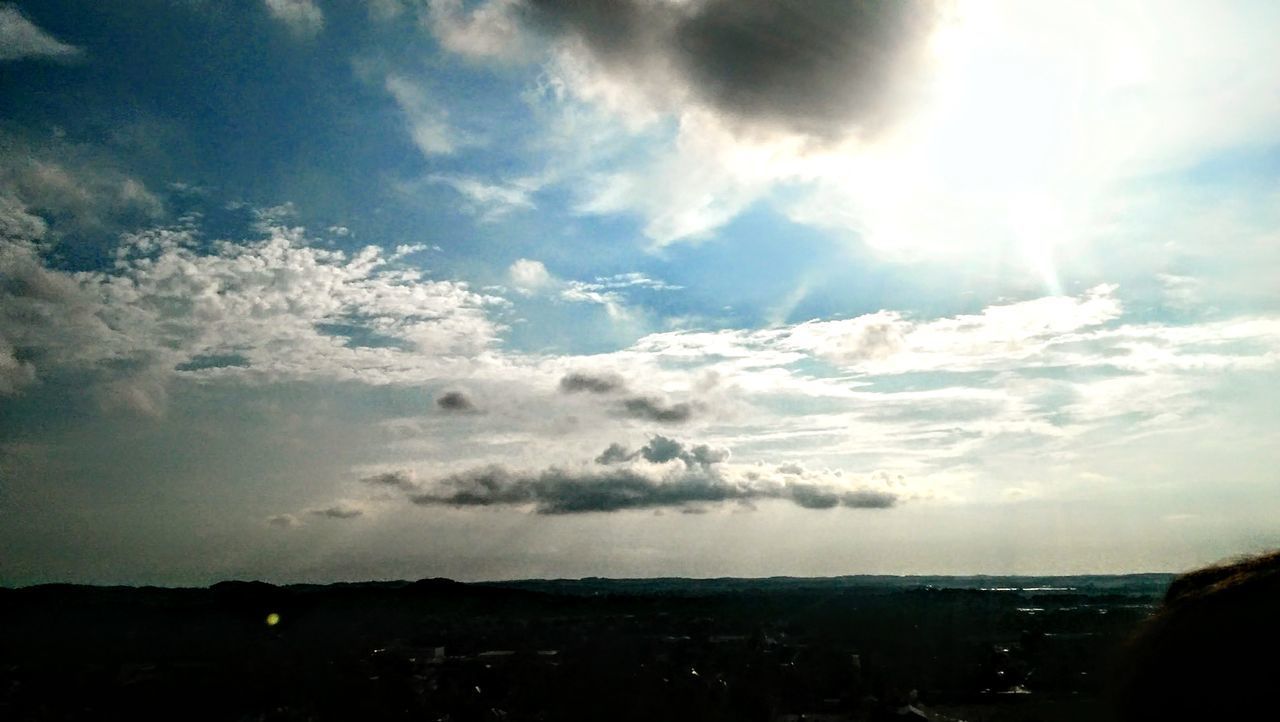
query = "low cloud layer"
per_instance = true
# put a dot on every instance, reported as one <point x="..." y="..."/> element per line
<point x="663" y="473"/>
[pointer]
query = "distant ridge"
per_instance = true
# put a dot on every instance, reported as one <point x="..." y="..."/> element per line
<point x="631" y="585"/>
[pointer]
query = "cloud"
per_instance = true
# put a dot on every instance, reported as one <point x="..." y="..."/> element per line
<point x="263" y="309"/>
<point x="652" y="409"/>
<point x="745" y="91"/>
<point x="341" y="510"/>
<point x="594" y="383"/>
<point x="886" y="342"/>
<point x="529" y="276"/>
<point x="284" y="521"/>
<point x="402" y="479"/>
<point x="644" y="479"/>
<point x="662" y="449"/>
<point x="53" y="193"/>
<point x="616" y="453"/>
<point x="820" y="69"/>
<point x="489" y="201"/>
<point x="648" y="408"/>
<point x="20" y="38"/>
<point x="303" y="17"/>
<point x="428" y="122"/>
<point x="455" y="401"/>
<point x="485" y="31"/>
<point x="15" y="373"/>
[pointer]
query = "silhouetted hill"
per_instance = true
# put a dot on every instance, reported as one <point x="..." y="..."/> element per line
<point x="593" y="648"/>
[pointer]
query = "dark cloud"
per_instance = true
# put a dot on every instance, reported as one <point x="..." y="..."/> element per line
<point x="819" y="67"/>
<point x="455" y="401"/>
<point x="639" y="407"/>
<point x="868" y="499"/>
<point x="594" y="383"/>
<point x="651" y="409"/>
<point x="339" y="511"/>
<point x="813" y="496"/>
<point x="562" y="491"/>
<point x="616" y="453"/>
<point x="402" y="479"/>
<point x="214" y="361"/>
<point x="662" y="449"/>
<point x="610" y="485"/>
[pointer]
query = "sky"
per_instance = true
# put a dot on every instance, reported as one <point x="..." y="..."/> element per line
<point x="319" y="290"/>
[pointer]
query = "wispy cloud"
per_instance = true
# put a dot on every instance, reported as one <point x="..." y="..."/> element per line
<point x="303" y="17"/>
<point x="21" y="38"/>
<point x="490" y="201"/>
<point x="426" y="118"/>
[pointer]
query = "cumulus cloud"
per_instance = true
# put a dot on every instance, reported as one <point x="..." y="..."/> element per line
<point x="601" y="383"/>
<point x="21" y="38"/>
<point x="455" y="401"/>
<point x="303" y="17"/>
<point x="529" y="276"/>
<point x="645" y="479"/>
<point x="265" y="309"/>
<point x="662" y="449"/>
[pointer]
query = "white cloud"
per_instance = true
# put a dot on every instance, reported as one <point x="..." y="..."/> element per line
<point x="490" y="30"/>
<point x="303" y="17"/>
<point x="278" y="308"/>
<point x="427" y="120"/>
<point x="529" y="276"/>
<point x="490" y="201"/>
<point x="20" y="38"/>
